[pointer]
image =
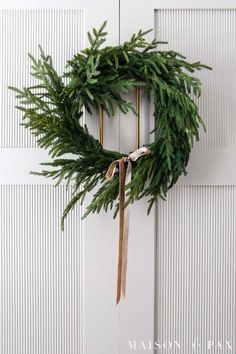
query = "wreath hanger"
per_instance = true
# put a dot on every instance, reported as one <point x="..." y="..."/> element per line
<point x="137" y="105"/>
<point x="125" y="176"/>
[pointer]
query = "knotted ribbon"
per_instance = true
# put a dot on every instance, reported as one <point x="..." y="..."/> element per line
<point x="125" y="175"/>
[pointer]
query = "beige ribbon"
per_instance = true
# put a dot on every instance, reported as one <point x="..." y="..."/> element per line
<point x="124" y="178"/>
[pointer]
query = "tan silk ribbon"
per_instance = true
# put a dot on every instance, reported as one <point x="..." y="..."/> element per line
<point x="125" y="175"/>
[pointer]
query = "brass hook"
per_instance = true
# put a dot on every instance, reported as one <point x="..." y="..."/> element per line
<point x="137" y="120"/>
<point x="101" y="125"/>
<point x="138" y="117"/>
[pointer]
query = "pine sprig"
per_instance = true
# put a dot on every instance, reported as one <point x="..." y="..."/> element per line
<point x="100" y="77"/>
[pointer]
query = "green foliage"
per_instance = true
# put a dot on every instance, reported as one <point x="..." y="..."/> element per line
<point x="100" y="77"/>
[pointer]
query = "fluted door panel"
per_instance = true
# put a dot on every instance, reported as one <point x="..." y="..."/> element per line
<point x="60" y="34"/>
<point x="208" y="36"/>
<point x="196" y="268"/>
<point x="41" y="272"/>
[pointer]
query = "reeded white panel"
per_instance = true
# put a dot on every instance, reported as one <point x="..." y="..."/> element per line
<point x="59" y="32"/>
<point x="41" y="272"/>
<point x="196" y="269"/>
<point x="208" y="36"/>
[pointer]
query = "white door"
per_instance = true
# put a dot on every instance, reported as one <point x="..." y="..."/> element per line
<point x="58" y="289"/>
<point x="195" y="228"/>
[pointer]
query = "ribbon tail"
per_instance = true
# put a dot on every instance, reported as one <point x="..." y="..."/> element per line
<point x="125" y="255"/>
<point x="124" y="179"/>
<point x="126" y="235"/>
<point x="121" y="226"/>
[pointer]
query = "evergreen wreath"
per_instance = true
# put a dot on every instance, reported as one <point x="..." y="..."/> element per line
<point x="99" y="77"/>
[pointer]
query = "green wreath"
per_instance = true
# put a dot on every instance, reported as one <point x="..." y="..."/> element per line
<point x="99" y="77"/>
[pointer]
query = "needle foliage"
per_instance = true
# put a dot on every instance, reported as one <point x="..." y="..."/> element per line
<point x="100" y="77"/>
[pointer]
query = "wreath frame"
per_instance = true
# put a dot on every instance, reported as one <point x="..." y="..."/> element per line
<point x="98" y="78"/>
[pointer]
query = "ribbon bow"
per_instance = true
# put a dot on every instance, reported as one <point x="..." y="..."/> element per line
<point x="124" y="178"/>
